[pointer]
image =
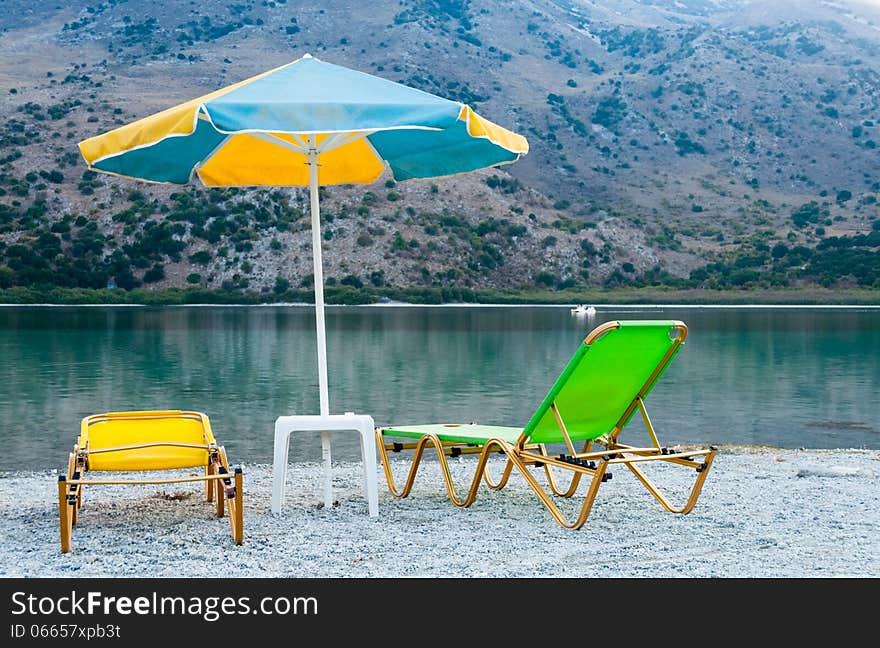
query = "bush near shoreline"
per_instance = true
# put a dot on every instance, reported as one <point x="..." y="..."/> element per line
<point x="367" y="295"/>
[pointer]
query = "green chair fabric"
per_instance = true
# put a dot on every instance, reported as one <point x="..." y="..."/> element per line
<point x="594" y="393"/>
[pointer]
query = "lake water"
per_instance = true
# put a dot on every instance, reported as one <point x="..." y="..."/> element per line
<point x="763" y="376"/>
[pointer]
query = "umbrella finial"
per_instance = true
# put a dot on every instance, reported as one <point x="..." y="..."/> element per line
<point x="307" y="55"/>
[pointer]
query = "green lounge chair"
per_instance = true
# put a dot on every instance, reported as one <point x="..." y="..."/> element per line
<point x="594" y="398"/>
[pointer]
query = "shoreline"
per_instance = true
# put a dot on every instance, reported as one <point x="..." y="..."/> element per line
<point x="764" y="512"/>
<point x="436" y="296"/>
<point x="607" y="306"/>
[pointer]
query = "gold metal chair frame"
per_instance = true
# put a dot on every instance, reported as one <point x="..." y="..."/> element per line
<point x="593" y="464"/>
<point x="226" y="494"/>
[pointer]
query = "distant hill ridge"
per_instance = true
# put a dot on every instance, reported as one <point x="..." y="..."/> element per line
<point x="683" y="144"/>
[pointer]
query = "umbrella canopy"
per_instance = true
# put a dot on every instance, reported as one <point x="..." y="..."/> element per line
<point x="257" y="133"/>
<point x="305" y="123"/>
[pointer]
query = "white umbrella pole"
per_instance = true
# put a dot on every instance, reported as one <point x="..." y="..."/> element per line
<point x="319" y="318"/>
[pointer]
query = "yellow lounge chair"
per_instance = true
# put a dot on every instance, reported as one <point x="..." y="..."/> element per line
<point x="147" y="441"/>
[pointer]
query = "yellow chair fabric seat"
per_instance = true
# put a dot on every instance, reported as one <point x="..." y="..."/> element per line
<point x="164" y="435"/>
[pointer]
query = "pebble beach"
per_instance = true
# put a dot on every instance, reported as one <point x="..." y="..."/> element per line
<point x="763" y="513"/>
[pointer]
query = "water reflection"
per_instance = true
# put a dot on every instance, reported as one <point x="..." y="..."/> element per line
<point x="790" y="378"/>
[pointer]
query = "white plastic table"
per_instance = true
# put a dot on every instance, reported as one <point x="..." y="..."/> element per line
<point x="348" y="422"/>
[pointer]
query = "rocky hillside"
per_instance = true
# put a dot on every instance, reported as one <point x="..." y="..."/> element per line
<point x="687" y="143"/>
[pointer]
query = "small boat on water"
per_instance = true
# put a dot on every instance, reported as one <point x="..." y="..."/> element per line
<point x="581" y="309"/>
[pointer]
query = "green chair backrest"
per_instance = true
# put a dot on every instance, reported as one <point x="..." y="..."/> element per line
<point x="597" y="390"/>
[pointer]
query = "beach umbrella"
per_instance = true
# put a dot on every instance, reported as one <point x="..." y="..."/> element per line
<point x="306" y="123"/>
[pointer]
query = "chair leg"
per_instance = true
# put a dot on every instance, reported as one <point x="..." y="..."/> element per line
<point x="558" y="515"/>
<point x="479" y="474"/>
<point x="71" y="471"/>
<point x="551" y="480"/>
<point x="414" y="467"/>
<point x="79" y="466"/>
<point x="695" y="491"/>
<point x="575" y="478"/>
<point x="236" y="514"/>
<point x="572" y="486"/>
<point x="219" y="500"/>
<point x="209" y="483"/>
<point x="74" y="509"/>
<point x="502" y="482"/>
<point x="219" y="491"/>
<point x="64" y="517"/>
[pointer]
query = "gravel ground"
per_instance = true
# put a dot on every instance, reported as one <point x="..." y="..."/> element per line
<point x="764" y="512"/>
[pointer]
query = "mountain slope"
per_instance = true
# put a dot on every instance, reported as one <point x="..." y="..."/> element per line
<point x="686" y="143"/>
